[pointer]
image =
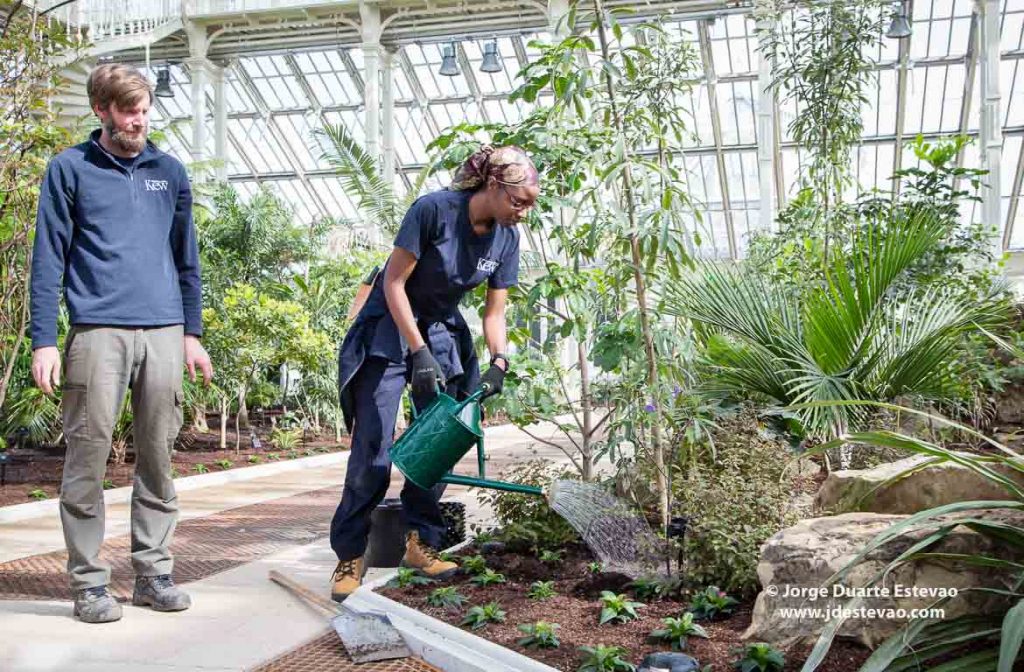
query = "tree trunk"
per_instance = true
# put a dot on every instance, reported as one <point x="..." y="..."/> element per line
<point x="638" y="280"/>
<point x="588" y="414"/>
<point x="224" y="423"/>
<point x="13" y="357"/>
<point x="242" y="419"/>
<point x="199" y="422"/>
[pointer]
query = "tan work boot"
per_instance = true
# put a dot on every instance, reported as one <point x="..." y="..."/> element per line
<point x="348" y="576"/>
<point x="423" y="558"/>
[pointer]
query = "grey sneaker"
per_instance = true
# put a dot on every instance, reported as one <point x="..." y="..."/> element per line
<point x="160" y="593"/>
<point x="96" y="605"/>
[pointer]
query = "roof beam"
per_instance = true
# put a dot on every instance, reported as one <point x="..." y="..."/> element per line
<point x="716" y="128"/>
<point x="901" y="99"/>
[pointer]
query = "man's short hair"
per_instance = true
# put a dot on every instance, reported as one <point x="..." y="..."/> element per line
<point x="117" y="83"/>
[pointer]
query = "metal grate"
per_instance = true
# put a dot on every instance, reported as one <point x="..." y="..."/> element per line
<point x="327" y="653"/>
<point x="202" y="547"/>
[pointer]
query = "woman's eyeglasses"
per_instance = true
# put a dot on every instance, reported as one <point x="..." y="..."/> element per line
<point x="516" y="203"/>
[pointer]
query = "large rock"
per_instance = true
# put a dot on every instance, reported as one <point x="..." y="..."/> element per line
<point x="851" y="490"/>
<point x="798" y="560"/>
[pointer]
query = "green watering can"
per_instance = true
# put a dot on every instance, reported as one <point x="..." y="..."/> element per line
<point x="438" y="438"/>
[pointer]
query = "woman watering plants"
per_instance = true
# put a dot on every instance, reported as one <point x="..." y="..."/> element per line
<point x="410" y="329"/>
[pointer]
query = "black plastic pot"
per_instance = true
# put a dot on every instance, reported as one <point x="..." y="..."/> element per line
<point x="387" y="535"/>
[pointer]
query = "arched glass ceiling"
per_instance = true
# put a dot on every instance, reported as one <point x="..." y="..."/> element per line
<point x="276" y="100"/>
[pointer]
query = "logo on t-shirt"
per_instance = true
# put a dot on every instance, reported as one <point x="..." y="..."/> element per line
<point x="156" y="185"/>
<point x="486" y="265"/>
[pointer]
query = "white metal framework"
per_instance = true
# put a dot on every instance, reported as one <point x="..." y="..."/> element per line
<point x="263" y="74"/>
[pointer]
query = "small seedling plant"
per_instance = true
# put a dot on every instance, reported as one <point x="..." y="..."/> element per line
<point x="223" y="464"/>
<point x="541" y="590"/>
<point x="712" y="603"/>
<point x="488" y="577"/>
<point x="108" y="484"/>
<point x="540" y="635"/>
<point x="655" y="588"/>
<point x="447" y="597"/>
<point x="480" y="616"/>
<point x="595" y="567"/>
<point x="551" y="557"/>
<point x="759" y="657"/>
<point x="678" y="630"/>
<point x="474" y="564"/>
<point x="200" y="468"/>
<point x="603" y="658"/>
<point x="408" y="577"/>
<point x="38" y="494"/>
<point x="447" y="556"/>
<point x="255" y="459"/>
<point x="273" y="456"/>
<point x="617" y="608"/>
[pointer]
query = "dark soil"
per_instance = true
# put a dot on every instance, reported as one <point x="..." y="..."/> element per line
<point x="576" y="609"/>
<point x="33" y="470"/>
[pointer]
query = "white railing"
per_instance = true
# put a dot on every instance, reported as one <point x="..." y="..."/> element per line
<point x="100" y="20"/>
<point x="203" y="7"/>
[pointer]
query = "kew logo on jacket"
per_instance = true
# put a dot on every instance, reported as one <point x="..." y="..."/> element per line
<point x="156" y="185"/>
<point x="486" y="265"/>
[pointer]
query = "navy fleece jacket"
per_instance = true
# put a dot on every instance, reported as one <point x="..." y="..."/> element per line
<point x="120" y="240"/>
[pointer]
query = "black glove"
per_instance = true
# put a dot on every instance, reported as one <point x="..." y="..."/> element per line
<point x="426" y="374"/>
<point x="492" y="381"/>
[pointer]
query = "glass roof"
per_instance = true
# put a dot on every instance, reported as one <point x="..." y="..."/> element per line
<point x="275" y="102"/>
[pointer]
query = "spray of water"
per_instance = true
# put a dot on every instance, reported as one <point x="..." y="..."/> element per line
<point x="620" y="539"/>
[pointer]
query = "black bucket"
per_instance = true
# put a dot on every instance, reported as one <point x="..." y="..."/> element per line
<point x="386" y="543"/>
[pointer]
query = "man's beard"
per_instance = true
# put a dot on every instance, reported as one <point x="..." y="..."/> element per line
<point x="123" y="141"/>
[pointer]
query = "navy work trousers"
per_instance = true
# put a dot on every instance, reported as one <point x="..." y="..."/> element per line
<point x="377" y="391"/>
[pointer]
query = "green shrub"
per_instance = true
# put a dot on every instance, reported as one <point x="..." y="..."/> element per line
<point x="677" y="630"/>
<point x="108" y="484"/>
<point x="603" y="658"/>
<point x="617" y="608"/>
<point x="711" y="603"/>
<point x="447" y="597"/>
<point x="551" y="557"/>
<point x="202" y="468"/>
<point x="406" y="577"/>
<point x="540" y="634"/>
<point x="488" y="577"/>
<point x="38" y="494"/>
<point x="527" y="522"/>
<point x="541" y="590"/>
<point x="223" y="464"/>
<point x="735" y="503"/>
<point x="478" y="616"/>
<point x="759" y="657"/>
<point x="474" y="564"/>
<point x="285" y="439"/>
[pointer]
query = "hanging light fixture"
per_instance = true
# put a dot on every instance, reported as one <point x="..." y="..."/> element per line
<point x="449" y="66"/>
<point x="492" y="59"/>
<point x="163" y="84"/>
<point x="899" y="26"/>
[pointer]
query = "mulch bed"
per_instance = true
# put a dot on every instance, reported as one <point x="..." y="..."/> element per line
<point x="576" y="609"/>
<point x="42" y="469"/>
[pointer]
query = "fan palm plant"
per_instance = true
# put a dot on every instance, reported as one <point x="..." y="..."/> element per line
<point x="856" y="336"/>
<point x="991" y="642"/>
<point x="363" y="180"/>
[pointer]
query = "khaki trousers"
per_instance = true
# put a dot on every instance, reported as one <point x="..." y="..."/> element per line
<point x="101" y="364"/>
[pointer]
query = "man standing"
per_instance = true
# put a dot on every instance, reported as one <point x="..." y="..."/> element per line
<point x="115" y="232"/>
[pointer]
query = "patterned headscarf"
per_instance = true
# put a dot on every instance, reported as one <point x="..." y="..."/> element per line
<point x="508" y="165"/>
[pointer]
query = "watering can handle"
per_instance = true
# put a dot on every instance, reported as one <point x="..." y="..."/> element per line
<point x="470" y="399"/>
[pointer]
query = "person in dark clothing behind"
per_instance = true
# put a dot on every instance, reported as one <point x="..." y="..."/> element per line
<point x="114" y="231"/>
<point x="410" y="329"/>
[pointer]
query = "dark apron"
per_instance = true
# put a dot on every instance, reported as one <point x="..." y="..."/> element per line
<point x="449" y="340"/>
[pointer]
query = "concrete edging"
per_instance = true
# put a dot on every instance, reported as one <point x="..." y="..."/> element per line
<point x="16" y="512"/>
<point x="438" y="643"/>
